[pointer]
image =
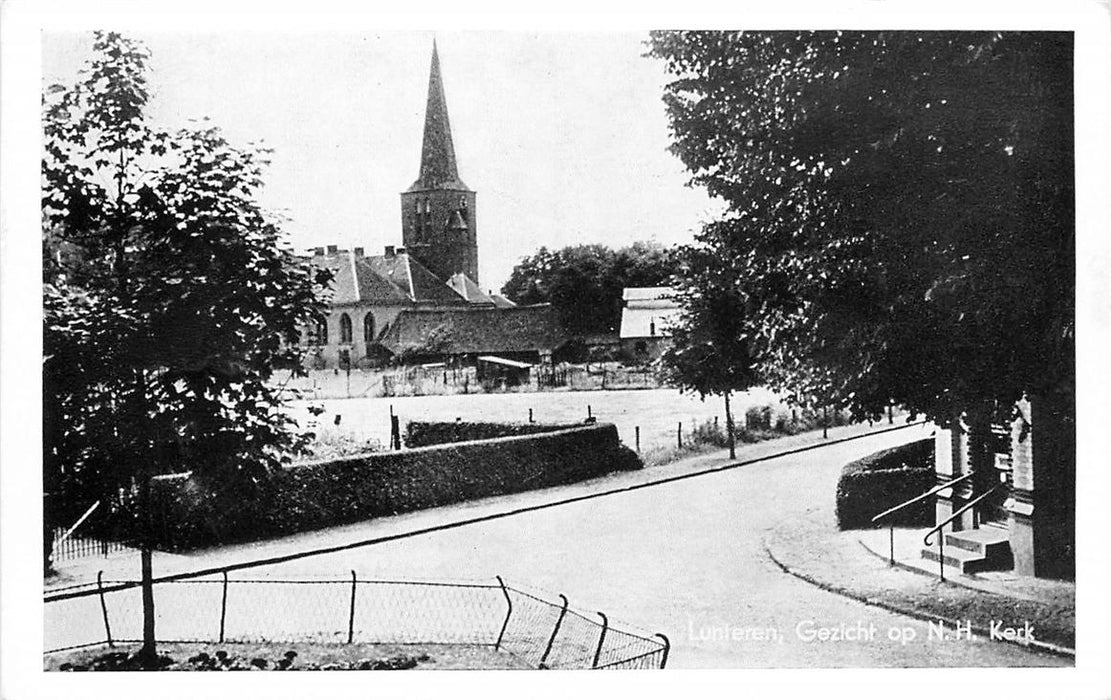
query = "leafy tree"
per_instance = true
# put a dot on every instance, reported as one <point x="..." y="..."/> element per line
<point x="709" y="351"/>
<point x="168" y="298"/>
<point x="901" y="218"/>
<point x="585" y="282"/>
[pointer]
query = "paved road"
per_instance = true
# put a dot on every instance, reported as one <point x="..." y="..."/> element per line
<point x="687" y="559"/>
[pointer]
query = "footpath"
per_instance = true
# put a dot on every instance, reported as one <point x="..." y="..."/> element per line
<point x="125" y="565"/>
<point x="1000" y="606"/>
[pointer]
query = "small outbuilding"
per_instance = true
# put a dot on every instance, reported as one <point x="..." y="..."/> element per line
<point x="647" y="316"/>
<point x="499" y="371"/>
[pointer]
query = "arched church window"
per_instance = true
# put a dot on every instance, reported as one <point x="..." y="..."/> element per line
<point x="368" y="328"/>
<point x="345" y="329"/>
<point x="321" y="332"/>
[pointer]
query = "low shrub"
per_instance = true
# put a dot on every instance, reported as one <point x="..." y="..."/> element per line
<point x="425" y="433"/>
<point x="885" y="479"/>
<point x="190" y="513"/>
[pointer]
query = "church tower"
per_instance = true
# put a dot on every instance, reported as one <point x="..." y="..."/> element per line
<point x="438" y="210"/>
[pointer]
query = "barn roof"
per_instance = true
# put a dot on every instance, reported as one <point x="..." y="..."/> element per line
<point x="475" y="330"/>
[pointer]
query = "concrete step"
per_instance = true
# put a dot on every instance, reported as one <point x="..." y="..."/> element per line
<point x="970" y="562"/>
<point x="985" y="540"/>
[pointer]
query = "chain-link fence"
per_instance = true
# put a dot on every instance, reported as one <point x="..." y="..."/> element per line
<point x="219" y="609"/>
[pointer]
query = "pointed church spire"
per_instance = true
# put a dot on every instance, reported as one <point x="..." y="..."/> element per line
<point x="437" y="158"/>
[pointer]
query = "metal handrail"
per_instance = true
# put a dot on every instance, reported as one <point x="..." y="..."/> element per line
<point x="957" y="513"/>
<point x="891" y="527"/>
<point x="927" y="494"/>
<point x="960" y="511"/>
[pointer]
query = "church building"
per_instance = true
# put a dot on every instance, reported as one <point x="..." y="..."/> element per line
<point x="423" y="300"/>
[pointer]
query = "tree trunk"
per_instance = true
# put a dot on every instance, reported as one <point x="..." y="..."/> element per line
<point x="148" y="653"/>
<point x="729" y="428"/>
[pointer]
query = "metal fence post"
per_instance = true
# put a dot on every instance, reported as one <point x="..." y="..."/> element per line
<point x="891" y="535"/>
<point x="601" y="639"/>
<point x="667" y="649"/>
<point x="508" y="612"/>
<point x="103" y="606"/>
<point x="638" y="438"/>
<point x="555" y="630"/>
<point x="351" y="616"/>
<point x="223" y="606"/>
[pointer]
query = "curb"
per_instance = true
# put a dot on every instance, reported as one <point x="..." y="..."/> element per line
<point x="961" y="582"/>
<point x="280" y="559"/>
<point x="917" y="614"/>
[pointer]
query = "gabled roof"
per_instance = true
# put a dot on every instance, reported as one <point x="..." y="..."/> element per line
<point x="380" y="279"/>
<point x="476" y="330"/>
<point x="468" y="289"/>
<point x="415" y="281"/>
<point x="437" y="158"/>
<point x="355" y="282"/>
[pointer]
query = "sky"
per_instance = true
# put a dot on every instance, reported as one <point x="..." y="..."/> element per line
<point x="563" y="135"/>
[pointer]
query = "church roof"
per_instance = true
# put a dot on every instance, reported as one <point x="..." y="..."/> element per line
<point x="468" y="289"/>
<point x="437" y="159"/>
<point x="383" y="279"/>
<point x="476" y="329"/>
<point x="415" y="280"/>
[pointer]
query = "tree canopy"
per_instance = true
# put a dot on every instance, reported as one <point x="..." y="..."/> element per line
<point x="585" y="282"/>
<point x="709" y="353"/>
<point x="169" y="299"/>
<point x="901" y="217"/>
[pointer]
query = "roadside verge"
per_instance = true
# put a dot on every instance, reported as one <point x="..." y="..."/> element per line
<point x="837" y="562"/>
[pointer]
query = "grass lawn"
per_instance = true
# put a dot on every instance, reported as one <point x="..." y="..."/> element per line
<point x="657" y="412"/>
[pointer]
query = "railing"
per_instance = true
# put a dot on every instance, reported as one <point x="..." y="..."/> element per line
<point x="68" y="545"/>
<point x="933" y="491"/>
<point x="535" y="631"/>
<point x="956" y="514"/>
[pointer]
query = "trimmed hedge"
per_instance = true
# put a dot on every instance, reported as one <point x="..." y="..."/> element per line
<point x="189" y="514"/>
<point x="424" y="433"/>
<point x="873" y="484"/>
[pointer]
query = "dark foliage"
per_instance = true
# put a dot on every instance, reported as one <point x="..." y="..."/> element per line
<point x="901" y="218"/>
<point x="584" y="283"/>
<point x="169" y="298"/>
<point x="221" y="660"/>
<point x="191" y="513"/>
<point x="883" y="480"/>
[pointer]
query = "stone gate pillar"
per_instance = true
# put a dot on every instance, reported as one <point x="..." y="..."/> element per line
<point x="1042" y="511"/>
<point x="1020" y="506"/>
<point x="951" y="461"/>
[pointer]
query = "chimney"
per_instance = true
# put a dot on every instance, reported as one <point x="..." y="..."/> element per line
<point x="332" y="249"/>
<point x="358" y="251"/>
<point x="400" y="251"/>
<point x="389" y="251"/>
<point x="318" y="251"/>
